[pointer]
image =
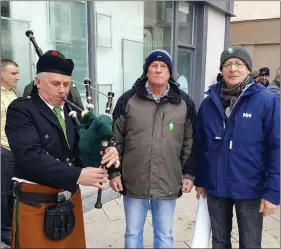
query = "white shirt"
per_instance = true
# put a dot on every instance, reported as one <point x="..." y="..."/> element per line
<point x="52" y="107"/>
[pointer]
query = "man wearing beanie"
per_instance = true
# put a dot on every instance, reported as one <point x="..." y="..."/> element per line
<point x="154" y="128"/>
<point x="48" y="208"/>
<point x="274" y="86"/>
<point x="238" y="134"/>
<point x="264" y="75"/>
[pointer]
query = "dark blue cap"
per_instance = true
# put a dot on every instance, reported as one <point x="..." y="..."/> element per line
<point x="159" y="55"/>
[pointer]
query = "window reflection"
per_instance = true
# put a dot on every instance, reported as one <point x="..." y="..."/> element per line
<point x="184" y="69"/>
<point x="186" y="23"/>
<point x="68" y="29"/>
<point x="157" y="26"/>
<point x="11" y="34"/>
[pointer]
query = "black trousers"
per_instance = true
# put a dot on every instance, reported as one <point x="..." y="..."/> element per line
<point x="249" y="220"/>
<point x="7" y="172"/>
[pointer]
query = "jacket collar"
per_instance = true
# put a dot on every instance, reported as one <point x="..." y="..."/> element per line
<point x="214" y="93"/>
<point x="50" y="116"/>
<point x="173" y="96"/>
<point x="250" y="89"/>
<point x="14" y="89"/>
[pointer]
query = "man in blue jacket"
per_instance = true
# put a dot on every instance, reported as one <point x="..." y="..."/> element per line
<point x="238" y="133"/>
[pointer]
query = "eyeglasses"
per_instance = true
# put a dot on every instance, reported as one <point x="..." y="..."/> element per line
<point x="236" y="64"/>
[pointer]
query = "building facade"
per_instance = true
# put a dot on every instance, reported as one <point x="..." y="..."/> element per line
<point x="256" y="26"/>
<point x="109" y="40"/>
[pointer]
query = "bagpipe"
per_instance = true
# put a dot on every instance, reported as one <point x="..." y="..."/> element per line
<point x="95" y="132"/>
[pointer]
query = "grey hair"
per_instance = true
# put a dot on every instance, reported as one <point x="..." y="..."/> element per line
<point x="40" y="75"/>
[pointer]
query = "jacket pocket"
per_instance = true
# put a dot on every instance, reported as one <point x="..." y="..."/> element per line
<point x="208" y="169"/>
<point x="212" y="146"/>
<point x="244" y="161"/>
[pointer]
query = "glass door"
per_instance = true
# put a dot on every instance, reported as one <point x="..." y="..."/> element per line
<point x="184" y="69"/>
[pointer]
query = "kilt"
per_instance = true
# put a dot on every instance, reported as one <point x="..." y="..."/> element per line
<point x="28" y="222"/>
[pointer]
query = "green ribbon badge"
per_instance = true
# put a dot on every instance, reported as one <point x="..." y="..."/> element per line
<point x="171" y="126"/>
<point x="230" y="50"/>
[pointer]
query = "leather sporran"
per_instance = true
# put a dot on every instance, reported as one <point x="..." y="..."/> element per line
<point x="59" y="220"/>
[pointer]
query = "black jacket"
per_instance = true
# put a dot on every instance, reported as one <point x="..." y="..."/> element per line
<point x="38" y="144"/>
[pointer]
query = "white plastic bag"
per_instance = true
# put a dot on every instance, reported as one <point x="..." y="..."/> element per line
<point x="202" y="229"/>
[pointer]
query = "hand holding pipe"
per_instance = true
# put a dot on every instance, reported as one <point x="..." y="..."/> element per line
<point x="105" y="144"/>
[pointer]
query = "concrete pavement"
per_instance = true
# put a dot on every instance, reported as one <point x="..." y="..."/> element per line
<point x="105" y="227"/>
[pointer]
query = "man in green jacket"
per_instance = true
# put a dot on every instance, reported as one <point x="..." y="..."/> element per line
<point x="153" y="124"/>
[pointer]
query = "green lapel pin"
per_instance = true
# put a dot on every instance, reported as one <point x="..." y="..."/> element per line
<point x="171" y="126"/>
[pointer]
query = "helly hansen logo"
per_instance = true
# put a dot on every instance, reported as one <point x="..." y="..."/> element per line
<point x="247" y="115"/>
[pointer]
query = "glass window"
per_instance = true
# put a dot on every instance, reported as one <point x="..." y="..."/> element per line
<point x="132" y="69"/>
<point x="186" y="23"/>
<point x="11" y="34"/>
<point x="104" y="31"/>
<point x="158" y="18"/>
<point x="60" y="22"/>
<point x="5" y="8"/>
<point x="184" y="69"/>
<point x="157" y="32"/>
<point x="21" y="10"/>
<point x="68" y="30"/>
<point x="141" y="27"/>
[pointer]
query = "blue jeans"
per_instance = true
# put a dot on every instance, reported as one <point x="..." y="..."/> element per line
<point x="162" y="221"/>
<point x="249" y="221"/>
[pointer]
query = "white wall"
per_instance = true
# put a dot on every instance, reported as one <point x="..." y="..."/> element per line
<point x="127" y="23"/>
<point x="251" y="10"/>
<point x="215" y="45"/>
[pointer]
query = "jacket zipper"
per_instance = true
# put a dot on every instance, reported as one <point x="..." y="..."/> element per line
<point x="223" y="122"/>
<point x="163" y="118"/>
<point x="239" y="98"/>
<point x="150" y="196"/>
<point x="230" y="142"/>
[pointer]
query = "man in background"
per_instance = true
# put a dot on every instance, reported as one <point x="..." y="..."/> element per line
<point x="264" y="75"/>
<point x="255" y="74"/>
<point x="274" y="86"/>
<point x="9" y="76"/>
